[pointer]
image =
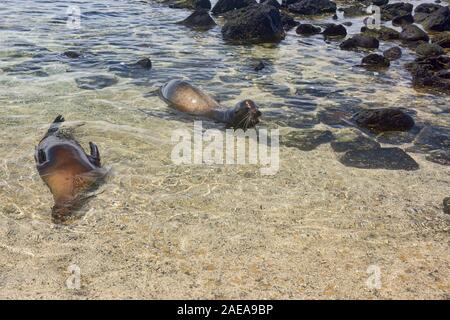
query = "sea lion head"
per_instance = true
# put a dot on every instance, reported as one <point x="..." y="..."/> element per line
<point x="245" y="115"/>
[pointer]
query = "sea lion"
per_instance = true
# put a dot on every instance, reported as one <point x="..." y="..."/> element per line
<point x="66" y="169"/>
<point x="187" y="98"/>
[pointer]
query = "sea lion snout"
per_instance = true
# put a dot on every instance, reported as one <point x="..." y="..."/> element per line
<point x="246" y="115"/>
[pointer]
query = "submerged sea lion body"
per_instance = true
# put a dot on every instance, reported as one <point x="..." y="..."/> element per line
<point x="66" y="169"/>
<point x="187" y="98"/>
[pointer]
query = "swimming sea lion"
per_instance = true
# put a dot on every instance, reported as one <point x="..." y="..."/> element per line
<point x="185" y="97"/>
<point x="66" y="168"/>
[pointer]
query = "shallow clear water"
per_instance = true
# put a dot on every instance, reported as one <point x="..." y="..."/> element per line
<point x="190" y="212"/>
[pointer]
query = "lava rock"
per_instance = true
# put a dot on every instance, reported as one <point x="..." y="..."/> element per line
<point x="307" y="140"/>
<point x="429" y="50"/>
<point x="313" y="7"/>
<point x="432" y="138"/>
<point x="223" y="6"/>
<point x="386" y="119"/>
<point x="254" y="24"/>
<point x="413" y="33"/>
<point x="335" y="30"/>
<point x="288" y="21"/>
<point x="382" y="158"/>
<point x="307" y="29"/>
<point x="360" y="41"/>
<point x="401" y="20"/>
<point x="390" y="11"/>
<point x="189" y="4"/>
<point x="356" y="10"/>
<point x="438" y="20"/>
<point x="439" y="156"/>
<point x="199" y="19"/>
<point x="393" y="53"/>
<point x="422" y="11"/>
<point x="446" y="204"/>
<point x="382" y="33"/>
<point x="442" y="40"/>
<point x="430" y="73"/>
<point x="375" y="61"/>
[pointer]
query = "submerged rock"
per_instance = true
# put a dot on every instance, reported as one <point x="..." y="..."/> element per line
<point x="431" y="73"/>
<point x="254" y="24"/>
<point x="307" y="140"/>
<point x="393" y="53"/>
<point x="375" y="61"/>
<point x="432" y="138"/>
<point x="386" y="119"/>
<point x="350" y="139"/>
<point x="413" y="33"/>
<point x="199" y="19"/>
<point x="396" y="137"/>
<point x="439" y="156"/>
<point x="429" y="50"/>
<point x="381" y="158"/>
<point x="307" y="29"/>
<point x="95" y="82"/>
<point x="335" y="30"/>
<point x="223" y="6"/>
<point x="312" y="7"/>
<point x="390" y="11"/>
<point x="446" y="204"/>
<point x="360" y="41"/>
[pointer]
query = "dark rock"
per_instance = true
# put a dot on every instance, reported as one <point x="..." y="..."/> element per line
<point x="288" y="21"/>
<point x="199" y="19"/>
<point x="313" y="7"/>
<point x="335" y="17"/>
<point x="446" y="204"/>
<point x="335" y="117"/>
<point x="335" y="30"/>
<point x="273" y="3"/>
<point x="395" y="137"/>
<point x="442" y="40"/>
<point x="382" y="158"/>
<point x="307" y="140"/>
<point x="386" y="119"/>
<point x="145" y="63"/>
<point x="393" y="53"/>
<point x="380" y="2"/>
<point x="307" y="29"/>
<point x="375" y="61"/>
<point x="439" y="156"/>
<point x="390" y="11"/>
<point x="429" y="73"/>
<point x="352" y="140"/>
<point x="188" y="4"/>
<point x="360" y="41"/>
<point x="422" y="11"/>
<point x="356" y="10"/>
<point x="382" y="33"/>
<point x="72" y="54"/>
<point x="347" y="23"/>
<point x="223" y="6"/>
<point x="413" y="33"/>
<point x="254" y="24"/>
<point x="401" y="20"/>
<point x="438" y="20"/>
<point x="432" y="138"/>
<point x="429" y="50"/>
<point x="260" y="66"/>
<point x="95" y="82"/>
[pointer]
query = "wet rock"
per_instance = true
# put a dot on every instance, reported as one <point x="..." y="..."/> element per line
<point x="439" y="156"/>
<point x="395" y="137"/>
<point x="95" y="82"/>
<point x="355" y="10"/>
<point x="307" y="140"/>
<point x="288" y="21"/>
<point x="307" y="29"/>
<point x="260" y="66"/>
<point x="429" y="50"/>
<point x="393" y="53"/>
<point x="422" y="11"/>
<point x="223" y="6"/>
<point x="188" y="4"/>
<point x="382" y="158"/>
<point x="413" y="33"/>
<point x="350" y="139"/>
<point x="360" y="41"/>
<point x="442" y="40"/>
<point x="145" y="63"/>
<point x="380" y="2"/>
<point x="438" y="20"/>
<point x="199" y="19"/>
<point x="313" y="7"/>
<point x="386" y="119"/>
<point x="254" y="24"/>
<point x="446" y="204"/>
<point x="432" y="138"/>
<point x="430" y="73"/>
<point x="273" y="3"/>
<point x="401" y="20"/>
<point x="375" y="61"/>
<point x="335" y="30"/>
<point x="72" y="54"/>
<point x="382" y="33"/>
<point x="390" y="11"/>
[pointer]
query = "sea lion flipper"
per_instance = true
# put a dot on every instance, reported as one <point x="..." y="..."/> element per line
<point x="95" y="154"/>
<point x="59" y="118"/>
